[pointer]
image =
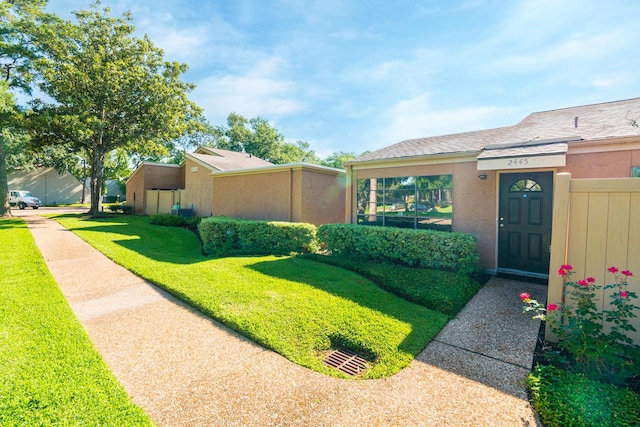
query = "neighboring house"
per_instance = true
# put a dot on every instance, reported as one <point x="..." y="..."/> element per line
<point x="296" y="192"/>
<point x="51" y="187"/>
<point x="501" y="181"/>
<point x="221" y="182"/>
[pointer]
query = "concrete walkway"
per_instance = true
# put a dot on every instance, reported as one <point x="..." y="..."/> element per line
<point x="185" y="369"/>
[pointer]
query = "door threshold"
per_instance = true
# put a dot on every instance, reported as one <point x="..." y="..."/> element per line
<point x="524" y="276"/>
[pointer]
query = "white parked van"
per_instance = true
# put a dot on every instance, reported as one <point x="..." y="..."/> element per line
<point x="23" y="199"/>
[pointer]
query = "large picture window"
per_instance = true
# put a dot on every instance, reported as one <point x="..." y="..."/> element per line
<point x="407" y="202"/>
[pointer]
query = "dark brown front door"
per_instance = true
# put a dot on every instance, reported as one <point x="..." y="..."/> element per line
<point x="524" y="226"/>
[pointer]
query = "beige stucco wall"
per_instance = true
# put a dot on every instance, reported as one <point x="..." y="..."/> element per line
<point x="48" y="185"/>
<point x="323" y="197"/>
<point x="152" y="176"/>
<point x="257" y="196"/>
<point x="474" y="208"/>
<point x="295" y="194"/>
<point x="612" y="164"/>
<point x="199" y="186"/>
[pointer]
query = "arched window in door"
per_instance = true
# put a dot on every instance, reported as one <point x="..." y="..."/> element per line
<point x="523" y="185"/>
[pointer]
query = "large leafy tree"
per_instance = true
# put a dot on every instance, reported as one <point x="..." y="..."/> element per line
<point x="110" y="90"/>
<point x="18" y="49"/>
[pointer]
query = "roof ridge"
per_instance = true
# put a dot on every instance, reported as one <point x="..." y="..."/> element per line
<point x="455" y="134"/>
<point x="582" y="106"/>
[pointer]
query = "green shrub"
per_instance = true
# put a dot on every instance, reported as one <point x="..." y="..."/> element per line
<point x="223" y="236"/>
<point x="175" y="221"/>
<point x="425" y="248"/>
<point x="126" y="209"/>
<point x="443" y="291"/>
<point x="566" y="399"/>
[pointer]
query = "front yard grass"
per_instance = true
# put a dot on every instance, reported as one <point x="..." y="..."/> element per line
<point x="50" y="373"/>
<point x="300" y="308"/>
<point x="570" y="399"/>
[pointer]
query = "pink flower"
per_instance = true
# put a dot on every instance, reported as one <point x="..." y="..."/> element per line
<point x="552" y="307"/>
<point x="590" y="279"/>
<point x="583" y="283"/>
<point x="624" y="294"/>
<point x="612" y="270"/>
<point x="524" y="296"/>
<point x="562" y="272"/>
<point x="627" y="273"/>
<point x="567" y="267"/>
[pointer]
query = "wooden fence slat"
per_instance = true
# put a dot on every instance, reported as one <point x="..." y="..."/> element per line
<point x="617" y="238"/>
<point x="578" y="225"/>
<point x="602" y="230"/>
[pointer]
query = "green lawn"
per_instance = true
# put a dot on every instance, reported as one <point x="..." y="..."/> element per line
<point x="50" y="373"/>
<point x="297" y="307"/>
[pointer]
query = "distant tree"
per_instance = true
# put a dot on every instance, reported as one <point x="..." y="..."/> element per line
<point x="254" y="136"/>
<point x="202" y="134"/>
<point x="338" y="159"/>
<point x="257" y="137"/>
<point x="110" y="90"/>
<point x="295" y="153"/>
<point x="117" y="168"/>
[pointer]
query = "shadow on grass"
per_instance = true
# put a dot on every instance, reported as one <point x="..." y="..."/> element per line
<point x="9" y="222"/>
<point x="425" y="323"/>
<point x="160" y="243"/>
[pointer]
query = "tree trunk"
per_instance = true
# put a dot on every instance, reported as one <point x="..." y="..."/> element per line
<point x="5" y="208"/>
<point x="97" y="178"/>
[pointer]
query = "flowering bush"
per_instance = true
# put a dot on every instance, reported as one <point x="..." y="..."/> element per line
<point x="597" y="340"/>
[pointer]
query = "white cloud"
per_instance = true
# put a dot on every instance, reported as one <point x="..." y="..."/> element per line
<point x="257" y="92"/>
<point x="181" y="45"/>
<point x="416" y="118"/>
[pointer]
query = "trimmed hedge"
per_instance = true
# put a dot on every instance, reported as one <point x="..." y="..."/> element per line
<point x="175" y="221"/>
<point x="222" y="236"/>
<point x="429" y="249"/>
<point x="126" y="209"/>
<point x="444" y="291"/>
<point x="572" y="400"/>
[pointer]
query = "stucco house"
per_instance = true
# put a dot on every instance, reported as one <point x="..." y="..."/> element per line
<point x="215" y="182"/>
<point x="499" y="183"/>
<point x="49" y="185"/>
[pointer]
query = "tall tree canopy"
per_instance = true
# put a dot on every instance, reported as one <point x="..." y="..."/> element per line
<point x="110" y="90"/>
<point x="18" y="49"/>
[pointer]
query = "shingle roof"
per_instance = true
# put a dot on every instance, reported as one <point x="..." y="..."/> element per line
<point x="588" y="122"/>
<point x="225" y="160"/>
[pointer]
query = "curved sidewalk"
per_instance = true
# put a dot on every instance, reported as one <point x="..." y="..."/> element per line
<point x="185" y="369"/>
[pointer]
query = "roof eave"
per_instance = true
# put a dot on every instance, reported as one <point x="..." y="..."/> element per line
<point x="200" y="162"/>
<point x="280" y="168"/>
<point x="411" y="160"/>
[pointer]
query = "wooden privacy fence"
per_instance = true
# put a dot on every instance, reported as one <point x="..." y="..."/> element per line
<point x="161" y="201"/>
<point x="596" y="225"/>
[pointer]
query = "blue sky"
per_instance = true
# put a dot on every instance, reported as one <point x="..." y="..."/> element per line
<point x="362" y="75"/>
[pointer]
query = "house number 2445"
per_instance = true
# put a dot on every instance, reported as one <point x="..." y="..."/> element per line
<point x="518" y="162"/>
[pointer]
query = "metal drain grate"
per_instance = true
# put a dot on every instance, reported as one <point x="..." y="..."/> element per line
<point x="346" y="361"/>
